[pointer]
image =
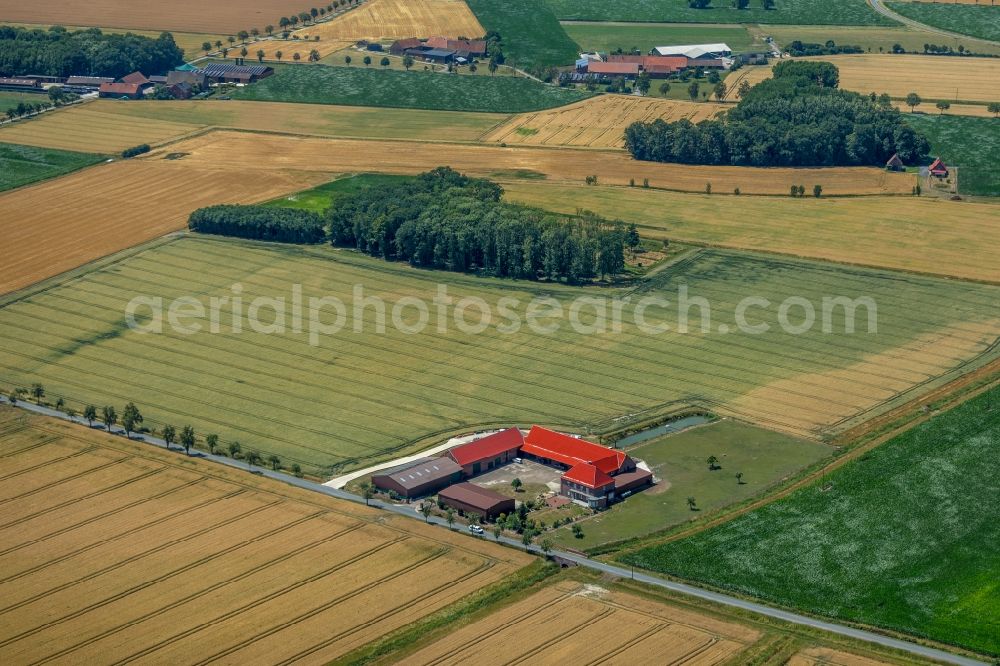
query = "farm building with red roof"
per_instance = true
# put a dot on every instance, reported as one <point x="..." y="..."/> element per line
<point x="939" y="168"/>
<point x="488" y="452"/>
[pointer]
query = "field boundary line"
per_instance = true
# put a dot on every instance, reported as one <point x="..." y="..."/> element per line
<point x="73" y="477"/>
<point x="50" y="440"/>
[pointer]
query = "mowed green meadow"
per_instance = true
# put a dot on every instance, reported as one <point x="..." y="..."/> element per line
<point x="903" y="538"/>
<point x="359" y="397"/>
<point x="609" y="36"/>
<point x="22" y="165"/>
<point x="679" y="463"/>
<point x="363" y="86"/>
<point x="981" y="21"/>
<point x="805" y="12"/>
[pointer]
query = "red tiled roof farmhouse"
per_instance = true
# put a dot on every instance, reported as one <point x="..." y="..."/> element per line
<point x="571" y="451"/>
<point x="487" y="447"/>
<point x="589" y="476"/>
<point x="120" y="88"/>
<point x="135" y="77"/>
<point x="613" y="68"/>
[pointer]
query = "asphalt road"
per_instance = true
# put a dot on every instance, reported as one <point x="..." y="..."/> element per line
<point x="878" y="6"/>
<point x="410" y="511"/>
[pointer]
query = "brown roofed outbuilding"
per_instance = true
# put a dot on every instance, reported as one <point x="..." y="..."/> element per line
<point x="469" y="498"/>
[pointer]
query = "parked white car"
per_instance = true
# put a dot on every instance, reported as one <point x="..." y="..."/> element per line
<point x="477" y="530"/>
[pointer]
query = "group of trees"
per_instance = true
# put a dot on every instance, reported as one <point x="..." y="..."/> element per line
<point x="284" y="225"/>
<point x="798" y="118"/>
<point x="445" y="220"/>
<point x="59" y="52"/>
<point x="798" y="48"/>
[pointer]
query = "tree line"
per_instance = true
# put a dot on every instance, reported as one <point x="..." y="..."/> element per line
<point x="131" y="421"/>
<point x="798" y="118"/>
<point x="283" y="225"/>
<point x="448" y="221"/>
<point x="59" y="52"/>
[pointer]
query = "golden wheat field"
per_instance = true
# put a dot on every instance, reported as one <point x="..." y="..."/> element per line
<point x="109" y="126"/>
<point x="904" y="233"/>
<point x="574" y="623"/>
<point x="249" y="152"/>
<point x="223" y="16"/>
<point x="931" y="77"/>
<point x="598" y="122"/>
<point x="60" y="224"/>
<point x="116" y="551"/>
<point x="394" y="19"/>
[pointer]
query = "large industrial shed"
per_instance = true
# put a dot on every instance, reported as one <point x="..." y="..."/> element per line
<point x="488" y="452"/>
<point x="418" y="480"/>
<point x="469" y="498"/>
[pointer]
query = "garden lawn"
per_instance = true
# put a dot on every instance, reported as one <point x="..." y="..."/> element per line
<point x="361" y="86"/>
<point x="904" y="537"/>
<point x="973" y="20"/>
<point x="21" y="165"/>
<point x="607" y="37"/>
<point x="318" y="199"/>
<point x="972" y="144"/>
<point x="805" y="12"/>
<point x="530" y="33"/>
<point x="678" y="461"/>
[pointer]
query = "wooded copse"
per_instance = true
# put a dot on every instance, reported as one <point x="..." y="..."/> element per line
<point x="444" y="220"/>
<point x="59" y="52"/>
<point x="283" y="225"/>
<point x="798" y="118"/>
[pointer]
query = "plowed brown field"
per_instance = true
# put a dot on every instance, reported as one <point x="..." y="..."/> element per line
<point x="114" y="551"/>
<point x="60" y="224"/>
<point x="599" y="122"/>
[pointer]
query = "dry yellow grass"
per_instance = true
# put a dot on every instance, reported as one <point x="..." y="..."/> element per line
<point x="977" y="110"/>
<point x="909" y="233"/>
<point x="266" y="153"/>
<point x="223" y="16"/>
<point x="829" y="657"/>
<point x="289" y="47"/>
<point x="107" y="126"/>
<point x="116" y="551"/>
<point x="94" y="127"/>
<point x="60" y="224"/>
<point x="395" y="19"/>
<point x="599" y="122"/>
<point x="574" y="623"/>
<point x="931" y="77"/>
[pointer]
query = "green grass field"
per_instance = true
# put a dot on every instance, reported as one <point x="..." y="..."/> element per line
<point x="975" y="21"/>
<point x="679" y="462"/>
<point x="970" y="143"/>
<point x="531" y="35"/>
<point x="870" y="38"/>
<point x="606" y="37"/>
<point x="9" y="100"/>
<point x="903" y="538"/>
<point x="358" y="398"/>
<point x="22" y="165"/>
<point x="359" y="86"/>
<point x="805" y="12"/>
<point x="318" y="199"/>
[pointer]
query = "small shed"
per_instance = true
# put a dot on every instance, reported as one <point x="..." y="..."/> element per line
<point x="895" y="164"/>
<point x="442" y="56"/>
<point x="938" y="168"/>
<point x="469" y="498"/>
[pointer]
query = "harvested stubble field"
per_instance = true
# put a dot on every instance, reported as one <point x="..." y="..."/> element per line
<point x="902" y="538"/>
<point x="99" y="126"/>
<point x="225" y="17"/>
<point x="288" y="49"/>
<point x="252" y="152"/>
<point x="96" y="127"/>
<point x="828" y="657"/>
<point x="351" y="399"/>
<point x="596" y="123"/>
<point x="60" y="224"/>
<point x="904" y="233"/>
<point x="574" y="623"/>
<point x="116" y="551"/>
<point x="932" y="77"/>
<point x="395" y="19"/>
